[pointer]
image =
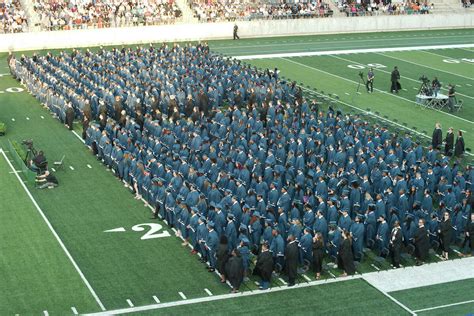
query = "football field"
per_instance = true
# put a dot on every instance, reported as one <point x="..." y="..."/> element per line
<point x="89" y="247"/>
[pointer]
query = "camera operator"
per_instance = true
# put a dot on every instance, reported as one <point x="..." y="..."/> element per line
<point x="436" y="86"/>
<point x="38" y="162"/>
<point x="370" y="80"/>
<point x="46" y="180"/>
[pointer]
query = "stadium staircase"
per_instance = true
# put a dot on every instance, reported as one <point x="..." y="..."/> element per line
<point x="33" y="18"/>
<point x="335" y="9"/>
<point x="447" y="6"/>
<point x="188" y="13"/>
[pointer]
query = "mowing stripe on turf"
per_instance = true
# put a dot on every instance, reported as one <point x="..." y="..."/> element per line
<point x="443" y="306"/>
<point x="425" y="66"/>
<point x="355" y="82"/>
<point x="55" y="234"/>
<point x="351" y="51"/>
<point x="221" y="297"/>
<point x="404" y="77"/>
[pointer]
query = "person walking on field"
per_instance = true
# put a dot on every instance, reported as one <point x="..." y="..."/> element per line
<point x="236" y="29"/>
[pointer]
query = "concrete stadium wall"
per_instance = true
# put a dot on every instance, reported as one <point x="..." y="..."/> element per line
<point x="208" y="31"/>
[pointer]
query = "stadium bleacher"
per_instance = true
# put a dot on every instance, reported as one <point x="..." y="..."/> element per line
<point x="12" y="17"/>
<point x="66" y="15"/>
<point x="201" y="132"/>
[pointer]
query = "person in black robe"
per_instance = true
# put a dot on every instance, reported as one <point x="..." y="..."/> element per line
<point x="85" y="126"/>
<point x="345" y="256"/>
<point x="422" y="243"/>
<point x="437" y="138"/>
<point x="291" y="260"/>
<point x="459" y="146"/>
<point x="449" y="143"/>
<point x="318" y="254"/>
<point x="264" y="267"/>
<point x="222" y="255"/>
<point x="469" y="241"/>
<point x="394" y="77"/>
<point x="70" y="116"/>
<point x="235" y="270"/>
<point x="395" y="244"/>
<point x="445" y="234"/>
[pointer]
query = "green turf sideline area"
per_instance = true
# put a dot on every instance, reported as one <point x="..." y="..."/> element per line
<point x="120" y="266"/>
<point x="349" y="296"/>
<point x="454" y="298"/>
<point x="35" y="273"/>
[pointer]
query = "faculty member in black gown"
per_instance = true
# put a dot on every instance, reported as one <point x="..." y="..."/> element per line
<point x="345" y="255"/>
<point x="291" y="260"/>
<point x="445" y="235"/>
<point x="264" y="267"/>
<point x="235" y="270"/>
<point x="422" y="243"/>
<point x="318" y="254"/>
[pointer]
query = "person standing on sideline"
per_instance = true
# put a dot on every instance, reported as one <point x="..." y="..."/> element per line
<point x="345" y="259"/>
<point x="449" y="143"/>
<point x="394" y="77"/>
<point x="318" y="254"/>
<point x="264" y="267"/>
<point x="451" y="97"/>
<point x="236" y="29"/>
<point x="437" y="138"/>
<point x="435" y="85"/>
<point x="291" y="260"/>
<point x="459" y="146"/>
<point x="422" y="243"/>
<point x="370" y="81"/>
<point x="445" y="234"/>
<point x="396" y="244"/>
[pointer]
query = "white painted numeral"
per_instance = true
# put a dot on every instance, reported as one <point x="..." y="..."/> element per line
<point x="151" y="234"/>
<point x="14" y="89"/>
<point x="356" y="66"/>
<point x="469" y="60"/>
<point x="451" y="61"/>
<point x="376" y="66"/>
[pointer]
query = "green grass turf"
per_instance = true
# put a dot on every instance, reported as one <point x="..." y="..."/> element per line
<point x="333" y="298"/>
<point x="437" y="295"/>
<point x="35" y="273"/>
<point x="331" y="75"/>
<point x="119" y="266"/>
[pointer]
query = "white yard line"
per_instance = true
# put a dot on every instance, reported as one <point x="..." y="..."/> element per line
<point x="78" y="136"/>
<point x="55" y="234"/>
<point x="355" y="82"/>
<point x="71" y="167"/>
<point x="397" y="302"/>
<point x="443" y="306"/>
<point x="411" y="79"/>
<point x="350" y="51"/>
<point x="208" y="292"/>
<point x="425" y="66"/>
<point x="221" y="297"/>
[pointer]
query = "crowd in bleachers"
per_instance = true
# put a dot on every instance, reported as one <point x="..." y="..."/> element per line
<point x="222" y="10"/>
<point x="221" y="149"/>
<point x="12" y="17"/>
<point x="384" y="8"/>
<point x="78" y="14"/>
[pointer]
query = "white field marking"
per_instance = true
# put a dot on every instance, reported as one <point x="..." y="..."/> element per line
<point x="45" y="313"/>
<point x="182" y="295"/>
<point x="468" y="84"/>
<point x="74" y="311"/>
<point x="89" y="166"/>
<point x="13" y="119"/>
<point x="27" y="118"/>
<point x="16" y="171"/>
<point x="115" y="230"/>
<point x="425" y="66"/>
<point x="443" y="306"/>
<point x="331" y="274"/>
<point x="54" y="170"/>
<point x="42" y="117"/>
<point x="174" y="229"/>
<point x="282" y="281"/>
<point x="55" y="234"/>
<point x="77" y="135"/>
<point x="71" y="167"/>
<point x="447" y="57"/>
<point x="405" y="89"/>
<point x="396" y="302"/>
<point x="156" y="299"/>
<point x="220" y="297"/>
<point x="355" y="82"/>
<point x="306" y="277"/>
<point x="375" y="267"/>
<point x="208" y="292"/>
<point x="387" y="72"/>
<point x="129" y="302"/>
<point x="350" y="51"/>
<point x="346" y="93"/>
<point x="256" y="283"/>
<point x="359" y="92"/>
<point x="2" y="92"/>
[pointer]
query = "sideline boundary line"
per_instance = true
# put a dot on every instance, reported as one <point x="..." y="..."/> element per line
<point x="55" y="234"/>
<point x="443" y="306"/>
<point x="220" y="297"/>
<point x="352" y="51"/>
<point x="354" y="82"/>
